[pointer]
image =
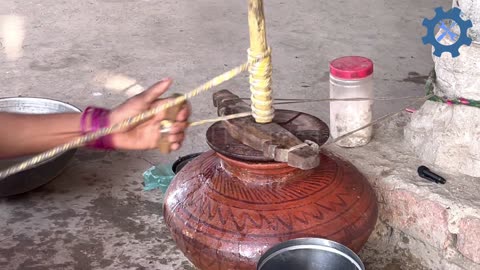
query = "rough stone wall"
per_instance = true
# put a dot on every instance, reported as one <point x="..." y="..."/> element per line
<point x="471" y="9"/>
<point x="445" y="135"/>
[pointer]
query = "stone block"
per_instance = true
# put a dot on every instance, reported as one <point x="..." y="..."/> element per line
<point x="471" y="11"/>
<point x="421" y="218"/>
<point x="445" y="136"/>
<point x="468" y="242"/>
<point x="458" y="76"/>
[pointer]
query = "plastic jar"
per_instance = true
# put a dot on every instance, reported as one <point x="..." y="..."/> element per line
<point x="351" y="77"/>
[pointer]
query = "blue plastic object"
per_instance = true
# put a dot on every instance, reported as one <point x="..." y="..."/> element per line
<point x="158" y="176"/>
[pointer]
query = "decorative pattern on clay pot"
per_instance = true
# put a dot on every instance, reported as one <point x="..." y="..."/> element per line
<point x="224" y="213"/>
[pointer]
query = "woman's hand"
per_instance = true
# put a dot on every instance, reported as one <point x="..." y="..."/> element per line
<point x="26" y="134"/>
<point x="147" y="134"/>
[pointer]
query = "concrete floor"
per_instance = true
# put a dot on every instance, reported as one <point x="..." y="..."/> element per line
<point x="98" y="52"/>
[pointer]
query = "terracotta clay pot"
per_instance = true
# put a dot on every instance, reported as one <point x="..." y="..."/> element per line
<point x="224" y="213"/>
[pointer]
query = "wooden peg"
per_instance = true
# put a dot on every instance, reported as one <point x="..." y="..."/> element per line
<point x="272" y="139"/>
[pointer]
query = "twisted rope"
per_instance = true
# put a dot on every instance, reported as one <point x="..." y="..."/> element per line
<point x="213" y="120"/>
<point x="130" y="122"/>
<point x="205" y="87"/>
<point x="429" y="95"/>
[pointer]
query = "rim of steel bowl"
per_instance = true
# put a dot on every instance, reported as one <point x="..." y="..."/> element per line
<point x="181" y="162"/>
<point x="49" y="168"/>
<point x="321" y="249"/>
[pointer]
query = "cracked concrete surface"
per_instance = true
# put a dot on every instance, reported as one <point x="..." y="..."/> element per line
<point x="98" y="52"/>
<point x="94" y="216"/>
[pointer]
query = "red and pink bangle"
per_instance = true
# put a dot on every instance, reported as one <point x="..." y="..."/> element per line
<point x="98" y="120"/>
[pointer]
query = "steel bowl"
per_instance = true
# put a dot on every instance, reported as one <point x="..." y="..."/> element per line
<point x="310" y="254"/>
<point x="182" y="161"/>
<point x="46" y="171"/>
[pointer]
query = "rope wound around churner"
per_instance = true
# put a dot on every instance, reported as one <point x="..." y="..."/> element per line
<point x="260" y="86"/>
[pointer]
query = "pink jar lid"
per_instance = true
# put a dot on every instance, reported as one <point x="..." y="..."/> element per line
<point x="351" y="67"/>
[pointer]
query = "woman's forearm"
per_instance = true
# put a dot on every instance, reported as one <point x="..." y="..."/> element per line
<point x="22" y="134"/>
<point x="25" y="134"/>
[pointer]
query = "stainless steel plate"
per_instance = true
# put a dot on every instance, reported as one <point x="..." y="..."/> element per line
<point x="45" y="171"/>
<point x="310" y="254"/>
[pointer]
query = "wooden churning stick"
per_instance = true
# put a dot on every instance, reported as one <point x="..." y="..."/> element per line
<point x="261" y="71"/>
<point x="260" y="132"/>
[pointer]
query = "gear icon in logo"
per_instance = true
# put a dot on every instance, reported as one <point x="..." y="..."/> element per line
<point x="440" y="15"/>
